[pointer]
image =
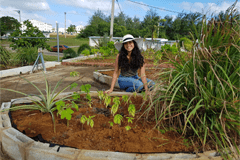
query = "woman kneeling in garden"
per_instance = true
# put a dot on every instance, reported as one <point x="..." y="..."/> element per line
<point x="129" y="60"/>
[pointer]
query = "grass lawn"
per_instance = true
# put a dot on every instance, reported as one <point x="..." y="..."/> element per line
<point x="69" y="41"/>
<point x="5" y="41"/>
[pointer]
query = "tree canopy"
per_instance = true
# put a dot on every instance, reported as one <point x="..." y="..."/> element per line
<point x="30" y="31"/>
<point x="8" y="24"/>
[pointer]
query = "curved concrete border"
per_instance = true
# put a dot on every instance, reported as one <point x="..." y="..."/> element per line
<point x="25" y="69"/>
<point x="104" y="78"/>
<point x="20" y="147"/>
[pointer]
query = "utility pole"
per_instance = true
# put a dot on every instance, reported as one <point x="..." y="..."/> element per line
<point x="18" y="11"/>
<point x="112" y="20"/>
<point x="65" y="24"/>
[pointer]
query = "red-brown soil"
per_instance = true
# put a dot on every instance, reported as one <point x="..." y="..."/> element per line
<point x="152" y="74"/>
<point x="141" y="138"/>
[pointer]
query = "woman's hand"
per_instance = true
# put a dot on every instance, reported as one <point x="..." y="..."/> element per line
<point x="108" y="91"/>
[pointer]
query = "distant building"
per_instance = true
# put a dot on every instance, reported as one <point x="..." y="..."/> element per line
<point x="79" y="28"/>
<point x="42" y="26"/>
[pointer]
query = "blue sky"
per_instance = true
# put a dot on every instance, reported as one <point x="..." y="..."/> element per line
<point x="79" y="11"/>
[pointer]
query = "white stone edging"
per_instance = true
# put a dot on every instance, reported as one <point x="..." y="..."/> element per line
<point x="20" y="147"/>
<point x="26" y="69"/>
<point x="81" y="58"/>
<point x="104" y="78"/>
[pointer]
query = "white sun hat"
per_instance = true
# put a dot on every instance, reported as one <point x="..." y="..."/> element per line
<point x="128" y="38"/>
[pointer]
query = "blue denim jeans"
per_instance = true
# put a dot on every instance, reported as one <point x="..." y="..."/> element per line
<point x="133" y="83"/>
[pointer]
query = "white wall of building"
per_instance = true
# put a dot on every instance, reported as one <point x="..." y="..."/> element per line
<point x="42" y="26"/>
<point x="79" y="28"/>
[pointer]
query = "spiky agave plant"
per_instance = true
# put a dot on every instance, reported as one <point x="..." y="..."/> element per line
<point x="201" y="97"/>
<point x="43" y="103"/>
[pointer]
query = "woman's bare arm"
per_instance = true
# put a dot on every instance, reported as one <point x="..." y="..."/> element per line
<point x="115" y="75"/>
<point x="143" y="77"/>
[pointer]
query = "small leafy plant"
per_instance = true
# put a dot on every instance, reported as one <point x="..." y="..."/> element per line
<point x="144" y="95"/>
<point x="100" y="95"/>
<point x="118" y="118"/>
<point x="65" y="110"/>
<point x="74" y="73"/>
<point x="83" y="120"/>
<point x="107" y="100"/>
<point x="128" y="128"/>
<point x="130" y="119"/>
<point x="132" y="109"/>
<point x="115" y="106"/>
<point x="110" y="124"/>
<point x="86" y="89"/>
<point x="90" y="121"/>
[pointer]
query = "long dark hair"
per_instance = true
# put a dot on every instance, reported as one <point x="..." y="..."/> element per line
<point x="137" y="59"/>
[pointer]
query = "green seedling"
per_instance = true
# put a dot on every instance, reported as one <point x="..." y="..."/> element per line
<point x="65" y="110"/>
<point x="73" y="85"/>
<point x="86" y="89"/>
<point x="117" y="119"/>
<point x="132" y="109"/>
<point x="128" y="128"/>
<point x="90" y="121"/>
<point x="130" y="119"/>
<point x="144" y="95"/>
<point x="107" y="100"/>
<point x="74" y="73"/>
<point x="83" y="120"/>
<point x="76" y="96"/>
<point x="163" y="144"/>
<point x="110" y="124"/>
<point x="100" y="95"/>
<point x="115" y="106"/>
<point x="125" y="98"/>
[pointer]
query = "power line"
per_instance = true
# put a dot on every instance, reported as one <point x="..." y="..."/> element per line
<point x="119" y="6"/>
<point x="154" y="7"/>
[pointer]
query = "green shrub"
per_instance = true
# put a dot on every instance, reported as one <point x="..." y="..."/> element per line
<point x="165" y="48"/>
<point x="110" y="45"/>
<point x="27" y="56"/>
<point x="187" y="43"/>
<point x="95" y="51"/>
<point x="86" y="52"/>
<point x="69" y="53"/>
<point x="4" y="56"/>
<point x="82" y="48"/>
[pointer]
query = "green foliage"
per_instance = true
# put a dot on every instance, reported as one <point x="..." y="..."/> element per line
<point x="125" y="98"/>
<point x="186" y="42"/>
<point x="26" y="42"/>
<point x="130" y="119"/>
<point x="8" y="24"/>
<point x="128" y="128"/>
<point x="205" y="86"/>
<point x="115" y="106"/>
<point x="65" y="110"/>
<point x="110" y="123"/>
<point x="47" y="102"/>
<point x="144" y="95"/>
<point x="4" y="56"/>
<point x="86" y="88"/>
<point x="132" y="109"/>
<point x="85" y="52"/>
<point x="95" y="51"/>
<point x="71" y="28"/>
<point x="69" y="53"/>
<point x="89" y="120"/>
<point x="107" y="100"/>
<point x="100" y="95"/>
<point x="118" y="118"/>
<point x="27" y="56"/>
<point x="74" y="73"/>
<point x="83" y="47"/>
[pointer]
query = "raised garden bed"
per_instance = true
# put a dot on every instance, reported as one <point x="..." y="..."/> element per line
<point x="141" y="138"/>
<point x="101" y="137"/>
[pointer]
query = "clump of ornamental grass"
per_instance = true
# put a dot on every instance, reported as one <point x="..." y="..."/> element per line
<point x="201" y="94"/>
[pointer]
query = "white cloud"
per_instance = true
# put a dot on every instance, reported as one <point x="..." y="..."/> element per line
<point x="27" y="5"/>
<point x="208" y="8"/>
<point x="103" y="5"/>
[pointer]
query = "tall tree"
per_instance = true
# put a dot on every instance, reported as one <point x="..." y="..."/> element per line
<point x="31" y="31"/>
<point x="151" y="21"/>
<point x="8" y="24"/>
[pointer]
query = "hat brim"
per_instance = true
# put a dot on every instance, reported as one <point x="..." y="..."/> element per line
<point x="139" y="41"/>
